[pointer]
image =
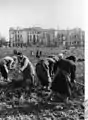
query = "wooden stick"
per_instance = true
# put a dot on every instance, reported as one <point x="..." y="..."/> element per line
<point x="80" y="83"/>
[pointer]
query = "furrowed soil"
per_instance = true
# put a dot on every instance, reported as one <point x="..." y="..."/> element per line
<point x="35" y="108"/>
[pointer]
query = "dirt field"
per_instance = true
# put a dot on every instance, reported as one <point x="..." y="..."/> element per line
<point x="36" y="109"/>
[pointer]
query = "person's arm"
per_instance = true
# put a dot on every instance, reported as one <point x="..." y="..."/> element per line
<point x="73" y="74"/>
<point x="11" y="64"/>
<point x="25" y="65"/>
<point x="6" y="68"/>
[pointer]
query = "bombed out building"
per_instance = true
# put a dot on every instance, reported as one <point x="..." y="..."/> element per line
<point x="31" y="36"/>
<point x="46" y="37"/>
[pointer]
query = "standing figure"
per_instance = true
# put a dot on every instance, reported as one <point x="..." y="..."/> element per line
<point x="37" y="54"/>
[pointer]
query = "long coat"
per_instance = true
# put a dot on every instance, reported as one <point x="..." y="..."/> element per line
<point x="67" y="66"/>
<point x="42" y="73"/>
<point x="44" y="70"/>
<point x="61" y="83"/>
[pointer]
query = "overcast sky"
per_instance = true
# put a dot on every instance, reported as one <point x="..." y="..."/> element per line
<point x="60" y="14"/>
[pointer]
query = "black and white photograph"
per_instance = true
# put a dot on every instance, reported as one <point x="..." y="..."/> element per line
<point x="42" y="60"/>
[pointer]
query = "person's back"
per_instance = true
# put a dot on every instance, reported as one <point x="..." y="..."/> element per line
<point x="73" y="58"/>
<point x="68" y="66"/>
<point x="5" y="66"/>
<point x="54" y="57"/>
<point x="8" y="62"/>
<point x="65" y="64"/>
<point x="7" y="59"/>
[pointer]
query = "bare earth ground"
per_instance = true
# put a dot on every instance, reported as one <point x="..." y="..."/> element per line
<point x="35" y="108"/>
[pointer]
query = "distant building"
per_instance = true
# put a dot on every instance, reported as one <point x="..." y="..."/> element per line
<point x="76" y="37"/>
<point x="70" y="38"/>
<point x="29" y="36"/>
<point x="47" y="37"/>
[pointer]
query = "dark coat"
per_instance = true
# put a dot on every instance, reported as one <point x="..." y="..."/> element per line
<point x="73" y="58"/>
<point x="44" y="70"/>
<point x="41" y="71"/>
<point x="3" y="71"/>
<point x="61" y="83"/>
<point x="67" y="66"/>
